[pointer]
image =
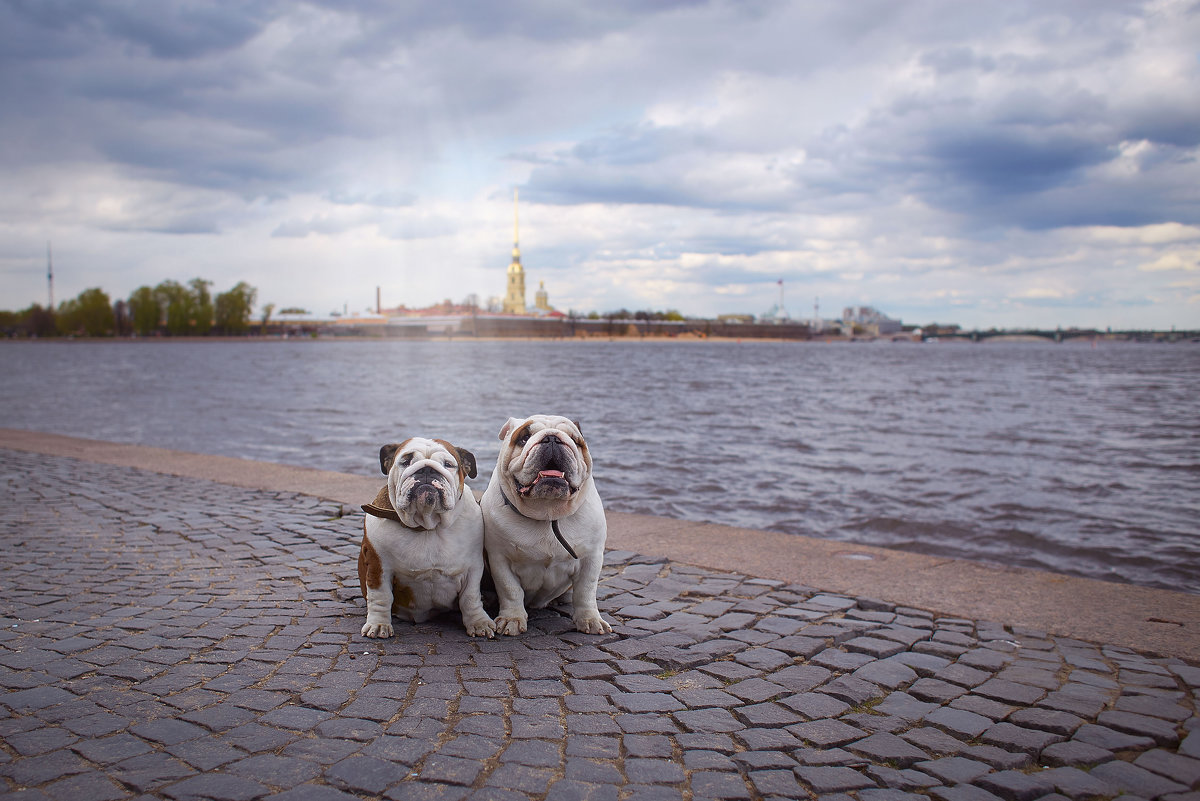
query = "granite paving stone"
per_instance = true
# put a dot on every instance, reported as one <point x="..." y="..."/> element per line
<point x="718" y="784"/>
<point x="890" y="749"/>
<point x="1153" y="706"/>
<point x="934" y="740"/>
<point x="904" y="780"/>
<point x="1010" y="692"/>
<point x="1113" y="740"/>
<point x="216" y="786"/>
<point x="841" y="661"/>
<point x="756" y="689"/>
<point x="1077" y="784"/>
<point x="963" y="675"/>
<point x="959" y="722"/>
<point x="1075" y="753"/>
<point x="998" y="758"/>
<point x="1046" y="719"/>
<point x="874" y="722"/>
<point x="150" y="771"/>
<point x="760" y="739"/>
<point x="827" y="733"/>
<point x="954" y="770"/>
<point x="852" y="690"/>
<point x="1015" y="785"/>
<point x="887" y="673"/>
<point x="211" y="649"/>
<point x="962" y="792"/>
<point x="780" y="783"/>
<point x="765" y="759"/>
<point x="935" y="691"/>
<point x="874" y="647"/>
<point x="1191" y="743"/>
<point x="905" y="706"/>
<point x="1161" y="731"/>
<point x="1176" y="767"/>
<point x="711" y="720"/>
<point x="1136" y="780"/>
<point x="816" y="706"/>
<point x="824" y="780"/>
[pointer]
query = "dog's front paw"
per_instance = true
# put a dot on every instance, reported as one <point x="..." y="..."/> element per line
<point x="512" y="625"/>
<point x="377" y="630"/>
<point x="592" y="623"/>
<point x="482" y="626"/>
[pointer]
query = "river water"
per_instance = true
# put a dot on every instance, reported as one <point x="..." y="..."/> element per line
<point x="1075" y="458"/>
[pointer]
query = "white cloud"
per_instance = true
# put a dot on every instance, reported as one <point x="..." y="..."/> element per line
<point x="993" y="162"/>
<point x="1185" y="260"/>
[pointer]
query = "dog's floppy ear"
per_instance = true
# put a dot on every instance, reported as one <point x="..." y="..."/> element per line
<point x="579" y="427"/>
<point x="467" y="460"/>
<point x="387" y="455"/>
<point x="509" y="426"/>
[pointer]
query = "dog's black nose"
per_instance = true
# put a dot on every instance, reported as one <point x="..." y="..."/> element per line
<point x="551" y="439"/>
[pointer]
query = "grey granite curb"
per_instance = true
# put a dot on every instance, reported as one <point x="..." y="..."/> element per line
<point x="171" y="637"/>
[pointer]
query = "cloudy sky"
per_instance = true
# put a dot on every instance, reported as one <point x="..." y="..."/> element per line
<point x="999" y="163"/>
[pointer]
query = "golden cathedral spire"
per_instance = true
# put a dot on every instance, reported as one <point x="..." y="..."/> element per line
<point x="514" y="297"/>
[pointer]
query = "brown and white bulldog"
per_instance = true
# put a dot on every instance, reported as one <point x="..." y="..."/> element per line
<point x="422" y="546"/>
<point x="544" y="527"/>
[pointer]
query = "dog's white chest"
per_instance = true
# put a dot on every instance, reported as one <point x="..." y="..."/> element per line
<point x="543" y="582"/>
<point x="427" y="570"/>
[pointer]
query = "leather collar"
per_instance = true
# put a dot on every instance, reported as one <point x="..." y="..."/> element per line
<point x="382" y="507"/>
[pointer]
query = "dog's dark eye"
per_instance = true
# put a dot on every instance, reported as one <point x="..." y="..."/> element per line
<point x="523" y="437"/>
<point x="406" y="460"/>
<point x="449" y="464"/>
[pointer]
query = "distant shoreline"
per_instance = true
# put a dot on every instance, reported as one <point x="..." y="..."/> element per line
<point x="1147" y="338"/>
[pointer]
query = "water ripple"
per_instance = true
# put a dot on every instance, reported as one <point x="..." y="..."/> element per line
<point x="1064" y="457"/>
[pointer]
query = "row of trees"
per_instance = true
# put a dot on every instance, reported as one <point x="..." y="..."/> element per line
<point x="170" y="308"/>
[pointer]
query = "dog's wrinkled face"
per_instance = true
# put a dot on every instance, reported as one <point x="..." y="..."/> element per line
<point x="426" y="477"/>
<point x="544" y="457"/>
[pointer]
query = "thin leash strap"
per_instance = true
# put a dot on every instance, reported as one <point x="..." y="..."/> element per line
<point x="558" y="536"/>
<point x="553" y="527"/>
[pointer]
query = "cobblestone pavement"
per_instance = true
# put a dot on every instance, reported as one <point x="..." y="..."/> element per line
<point x="165" y="637"/>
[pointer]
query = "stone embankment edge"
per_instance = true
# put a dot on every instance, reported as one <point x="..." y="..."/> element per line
<point x="1149" y="620"/>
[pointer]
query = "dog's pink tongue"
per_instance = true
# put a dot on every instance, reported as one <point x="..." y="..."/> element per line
<point x="550" y="474"/>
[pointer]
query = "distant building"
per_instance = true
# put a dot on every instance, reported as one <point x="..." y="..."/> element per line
<point x="541" y="298"/>
<point x="777" y="313"/>
<point x="870" y="320"/>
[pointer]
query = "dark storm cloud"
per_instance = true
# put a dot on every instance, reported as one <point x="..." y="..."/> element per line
<point x="175" y="30"/>
<point x="386" y="21"/>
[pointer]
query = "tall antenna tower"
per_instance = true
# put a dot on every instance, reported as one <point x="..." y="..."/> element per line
<point x="50" y="275"/>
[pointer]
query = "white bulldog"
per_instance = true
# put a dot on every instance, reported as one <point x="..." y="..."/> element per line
<point x="544" y="526"/>
<point x="422" y="546"/>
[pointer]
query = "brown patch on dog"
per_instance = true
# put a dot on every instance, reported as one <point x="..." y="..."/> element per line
<point x="370" y="569"/>
<point x="466" y="462"/>
<point x="387" y="454"/>
<point x="402" y="595"/>
<point x="516" y="434"/>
